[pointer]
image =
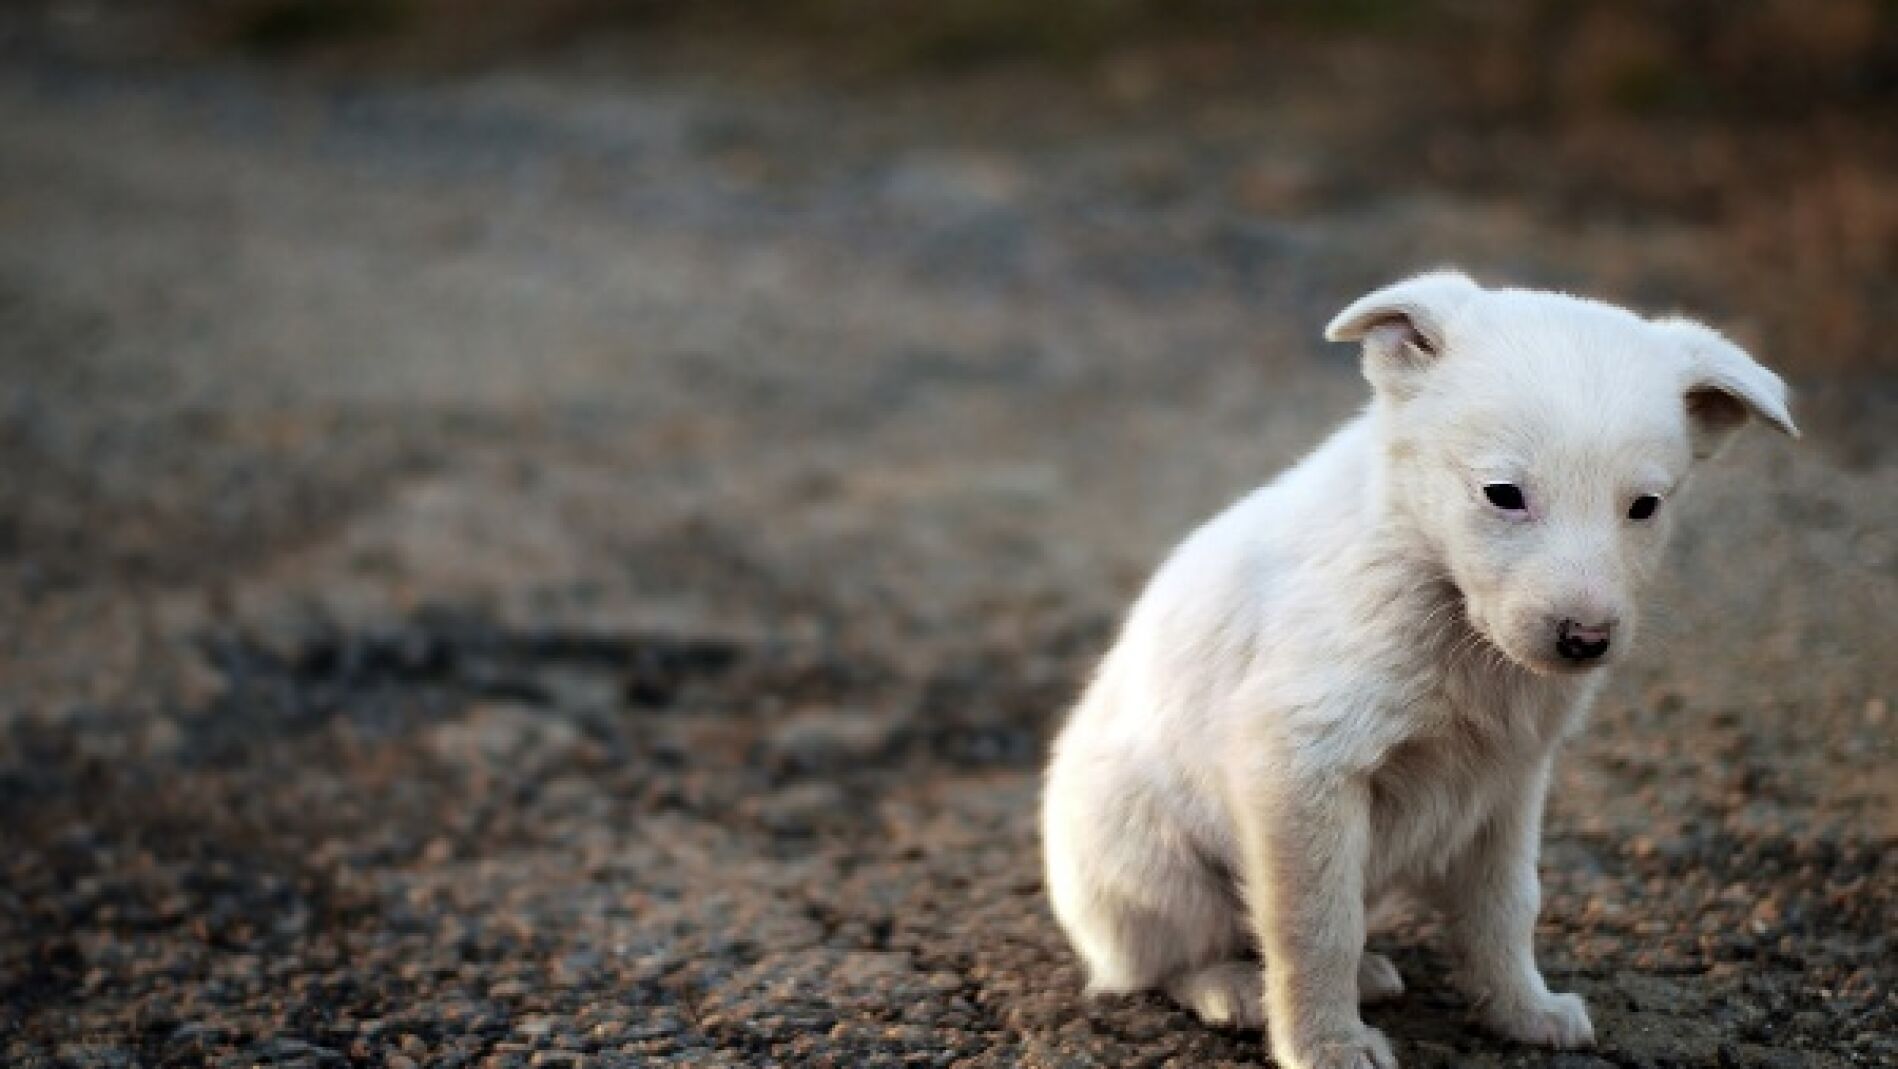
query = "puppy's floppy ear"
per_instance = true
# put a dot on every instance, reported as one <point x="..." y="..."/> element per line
<point x="1402" y="325"/>
<point x="1724" y="387"/>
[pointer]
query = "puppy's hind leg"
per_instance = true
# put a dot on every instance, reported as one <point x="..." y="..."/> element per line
<point x="1207" y="970"/>
<point x="1141" y="941"/>
<point x="1136" y="899"/>
<point x="1178" y="929"/>
<point x="1223" y="985"/>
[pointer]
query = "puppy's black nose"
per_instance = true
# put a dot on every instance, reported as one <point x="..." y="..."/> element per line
<point x="1581" y="642"/>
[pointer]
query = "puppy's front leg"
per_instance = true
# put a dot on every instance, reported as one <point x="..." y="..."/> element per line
<point x="1306" y="834"/>
<point x="1492" y="896"/>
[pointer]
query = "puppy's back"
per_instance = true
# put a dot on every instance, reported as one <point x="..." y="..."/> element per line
<point x="1202" y="618"/>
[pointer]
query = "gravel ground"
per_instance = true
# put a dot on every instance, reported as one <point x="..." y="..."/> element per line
<point x="578" y="563"/>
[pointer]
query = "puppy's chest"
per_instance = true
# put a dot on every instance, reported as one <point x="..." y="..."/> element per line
<point x="1436" y="790"/>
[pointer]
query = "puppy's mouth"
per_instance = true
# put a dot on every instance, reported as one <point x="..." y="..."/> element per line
<point x="1543" y="662"/>
<point x="1553" y="666"/>
<point x="1478" y="640"/>
<point x="1504" y="651"/>
<point x="1508" y="652"/>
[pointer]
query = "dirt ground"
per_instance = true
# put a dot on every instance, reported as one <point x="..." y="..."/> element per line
<point x="577" y="562"/>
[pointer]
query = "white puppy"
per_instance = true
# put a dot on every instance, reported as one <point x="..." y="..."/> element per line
<point x="1351" y="684"/>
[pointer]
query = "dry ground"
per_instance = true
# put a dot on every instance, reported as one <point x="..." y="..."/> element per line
<point x="578" y="562"/>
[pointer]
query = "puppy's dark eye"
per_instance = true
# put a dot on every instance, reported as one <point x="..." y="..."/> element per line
<point x="1643" y="507"/>
<point x="1505" y="496"/>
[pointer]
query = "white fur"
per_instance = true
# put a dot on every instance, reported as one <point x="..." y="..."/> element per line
<point x="1346" y="687"/>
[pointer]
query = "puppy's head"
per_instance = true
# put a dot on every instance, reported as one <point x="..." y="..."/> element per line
<point x="1538" y="441"/>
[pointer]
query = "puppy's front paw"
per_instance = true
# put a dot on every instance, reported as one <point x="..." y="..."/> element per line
<point x="1559" y="1021"/>
<point x="1366" y="1049"/>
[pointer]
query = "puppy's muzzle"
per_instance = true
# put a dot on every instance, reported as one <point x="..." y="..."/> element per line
<point x="1581" y="643"/>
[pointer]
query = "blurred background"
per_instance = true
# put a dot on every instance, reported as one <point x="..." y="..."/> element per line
<point x="555" y="533"/>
